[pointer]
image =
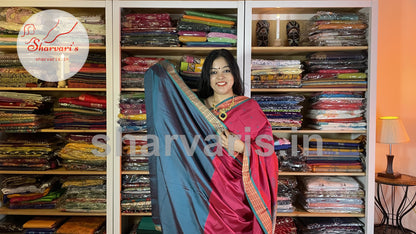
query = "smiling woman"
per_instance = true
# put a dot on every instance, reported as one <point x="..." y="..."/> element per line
<point x="233" y="190"/>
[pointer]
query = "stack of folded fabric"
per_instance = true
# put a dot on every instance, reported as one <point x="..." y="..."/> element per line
<point x="282" y="111"/>
<point x="84" y="225"/>
<point x="207" y="30"/>
<point x="342" y="69"/>
<point x="190" y="70"/>
<point x="11" y="21"/>
<point x="13" y="74"/>
<point x="289" y="160"/>
<point x="30" y="192"/>
<point x="337" y="111"/>
<point x="285" y="225"/>
<point x="12" y="224"/>
<point x="148" y="30"/>
<point x="83" y="194"/>
<point x="275" y="73"/>
<point x="91" y="75"/>
<point x="133" y="69"/>
<point x="330" y="194"/>
<point x="44" y="225"/>
<point x="132" y="116"/>
<point x="24" y="112"/>
<point x="82" y="153"/>
<point x="135" y="153"/>
<point x="336" y="155"/>
<point x="313" y="225"/>
<point x="338" y="29"/>
<point x="17" y="152"/>
<point x="287" y="192"/>
<point x="135" y="194"/>
<point x="95" y="27"/>
<point x="83" y="112"/>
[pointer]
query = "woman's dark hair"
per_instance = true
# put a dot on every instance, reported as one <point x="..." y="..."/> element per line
<point x="204" y="87"/>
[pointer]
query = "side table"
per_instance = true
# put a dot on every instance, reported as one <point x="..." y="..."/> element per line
<point x="392" y="218"/>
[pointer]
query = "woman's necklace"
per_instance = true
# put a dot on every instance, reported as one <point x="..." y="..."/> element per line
<point x="223" y="111"/>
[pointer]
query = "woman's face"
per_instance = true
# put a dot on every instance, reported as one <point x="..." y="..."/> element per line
<point x="221" y="78"/>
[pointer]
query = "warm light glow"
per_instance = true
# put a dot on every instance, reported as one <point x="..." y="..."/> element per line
<point x="390" y="130"/>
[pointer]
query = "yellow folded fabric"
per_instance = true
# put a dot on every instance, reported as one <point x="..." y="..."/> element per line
<point x="43" y="222"/>
<point x="191" y="38"/>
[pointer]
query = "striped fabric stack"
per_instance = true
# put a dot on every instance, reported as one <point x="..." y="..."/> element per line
<point x="207" y="30"/>
<point x="282" y="111"/>
<point x="135" y="194"/>
<point x="148" y="30"/>
<point x="24" y="112"/>
<point x="133" y="69"/>
<point x="13" y="74"/>
<point x="275" y="73"/>
<point x="132" y="116"/>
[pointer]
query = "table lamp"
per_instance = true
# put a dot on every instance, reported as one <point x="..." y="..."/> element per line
<point x="391" y="131"/>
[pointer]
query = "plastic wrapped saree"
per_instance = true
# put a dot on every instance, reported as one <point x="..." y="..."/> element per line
<point x="197" y="186"/>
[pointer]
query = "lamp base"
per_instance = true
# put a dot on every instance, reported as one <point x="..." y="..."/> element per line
<point x="393" y="175"/>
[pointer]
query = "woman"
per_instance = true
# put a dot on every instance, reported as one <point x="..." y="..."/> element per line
<point x="225" y="181"/>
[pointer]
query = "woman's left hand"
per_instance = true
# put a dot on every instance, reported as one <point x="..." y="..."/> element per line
<point x="232" y="142"/>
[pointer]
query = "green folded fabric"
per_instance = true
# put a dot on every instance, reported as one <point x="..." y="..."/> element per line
<point x="212" y="16"/>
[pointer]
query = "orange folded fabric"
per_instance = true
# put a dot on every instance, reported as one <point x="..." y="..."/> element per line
<point x="209" y="19"/>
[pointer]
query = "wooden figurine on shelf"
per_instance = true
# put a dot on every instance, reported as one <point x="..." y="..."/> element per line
<point x="262" y="33"/>
<point x="293" y="34"/>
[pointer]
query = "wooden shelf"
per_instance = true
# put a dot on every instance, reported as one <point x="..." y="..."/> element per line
<point x="314" y="131"/>
<point x="48" y="212"/>
<point x="289" y="50"/>
<point x="59" y="171"/>
<point x="310" y="214"/>
<point x="290" y="173"/>
<point x="135" y="172"/>
<point x="72" y="130"/>
<point x="137" y="214"/>
<point x="14" y="47"/>
<point x="275" y="90"/>
<point x="52" y="89"/>
<point x="133" y="89"/>
<point x="175" y="50"/>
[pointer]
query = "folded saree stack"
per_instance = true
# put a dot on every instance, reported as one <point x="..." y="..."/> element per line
<point x="135" y="152"/>
<point x="148" y="30"/>
<point x="342" y="69"/>
<point x="30" y="192"/>
<point x="335" y="155"/>
<point x="132" y="116"/>
<point x="24" y="112"/>
<point x="133" y="69"/>
<point x="313" y="225"/>
<point x="12" y="224"/>
<point x="282" y="111"/>
<point x="330" y="194"/>
<point x="337" y="29"/>
<point x="275" y="73"/>
<point x="84" y="225"/>
<point x="79" y="153"/>
<point x="95" y="27"/>
<point x="337" y="111"/>
<point x="83" y="112"/>
<point x="135" y="194"/>
<point x="13" y="74"/>
<point x="290" y="159"/>
<point x="285" y="225"/>
<point x="83" y="194"/>
<point x="11" y="20"/>
<point x="286" y="195"/>
<point x="44" y="225"/>
<point x="202" y="29"/>
<point x="17" y="152"/>
<point x="92" y="74"/>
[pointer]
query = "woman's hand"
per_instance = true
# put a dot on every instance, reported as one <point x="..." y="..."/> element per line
<point x="232" y="142"/>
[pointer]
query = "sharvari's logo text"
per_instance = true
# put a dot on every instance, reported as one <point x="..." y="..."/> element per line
<point x="53" y="45"/>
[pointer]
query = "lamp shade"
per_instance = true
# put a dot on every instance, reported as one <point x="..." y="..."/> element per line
<point x="391" y="131"/>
